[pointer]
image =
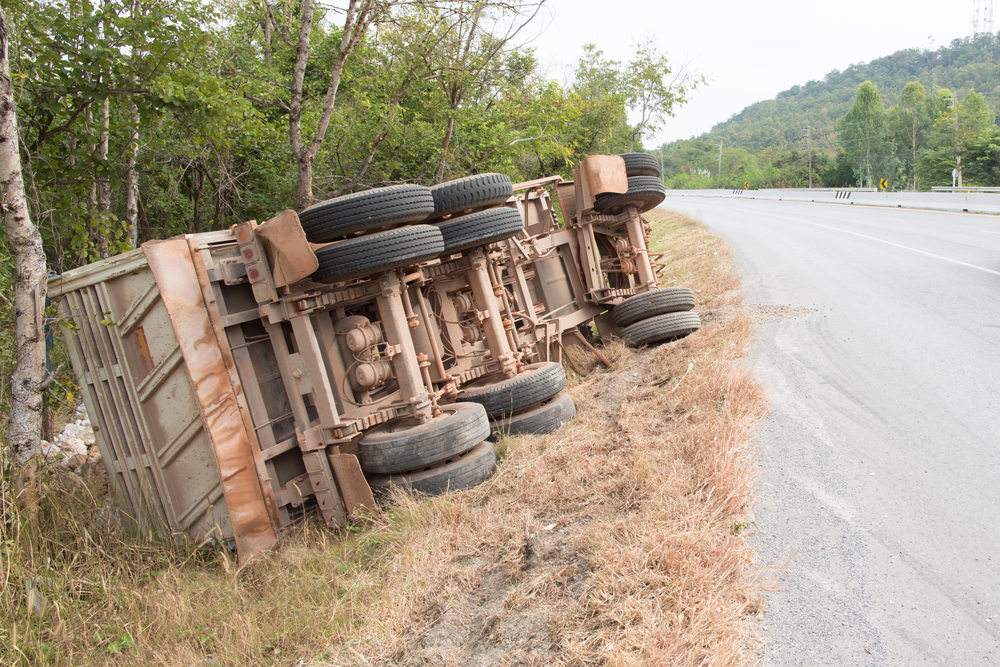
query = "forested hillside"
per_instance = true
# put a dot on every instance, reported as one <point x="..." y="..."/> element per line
<point x="766" y="143"/>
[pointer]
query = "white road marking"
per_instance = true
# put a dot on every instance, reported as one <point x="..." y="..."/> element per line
<point x="872" y="238"/>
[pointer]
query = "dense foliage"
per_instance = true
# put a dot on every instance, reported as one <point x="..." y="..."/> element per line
<point x="890" y="118"/>
<point x="193" y="102"/>
<point x="143" y="119"/>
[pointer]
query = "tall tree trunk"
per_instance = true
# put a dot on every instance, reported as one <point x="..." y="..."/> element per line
<point x="103" y="184"/>
<point x="304" y="192"/>
<point x="197" y="185"/>
<point x="24" y="426"/>
<point x="132" y="174"/>
<point x="355" y="24"/>
<point x="217" y="218"/>
<point x="267" y="34"/>
<point x="132" y="194"/>
<point x="93" y="231"/>
<point x="443" y="160"/>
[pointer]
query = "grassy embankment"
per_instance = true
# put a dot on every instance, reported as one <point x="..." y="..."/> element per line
<point x="617" y="541"/>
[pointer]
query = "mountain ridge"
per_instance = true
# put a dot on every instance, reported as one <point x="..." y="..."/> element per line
<point x="777" y="123"/>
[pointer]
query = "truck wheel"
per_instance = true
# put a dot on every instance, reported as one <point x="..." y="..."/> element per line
<point x="661" y="327"/>
<point x="545" y="418"/>
<point x="538" y="382"/>
<point x="485" y="227"/>
<point x="470" y="193"/>
<point x="378" y="252"/>
<point x="382" y="207"/>
<point x="462" y="472"/>
<point x="644" y="192"/>
<point x="406" y="444"/>
<point x="641" y="164"/>
<point x="652" y="303"/>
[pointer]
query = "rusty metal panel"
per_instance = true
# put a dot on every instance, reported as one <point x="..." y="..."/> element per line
<point x="172" y="265"/>
<point x="288" y="252"/>
<point x="604" y="174"/>
<point x="148" y="421"/>
<point x="161" y="401"/>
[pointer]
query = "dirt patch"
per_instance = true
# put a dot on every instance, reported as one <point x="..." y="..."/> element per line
<point x="760" y="313"/>
<point x="498" y="622"/>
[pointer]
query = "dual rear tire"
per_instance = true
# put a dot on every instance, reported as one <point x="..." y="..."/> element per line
<point x="452" y="452"/>
<point x="657" y="316"/>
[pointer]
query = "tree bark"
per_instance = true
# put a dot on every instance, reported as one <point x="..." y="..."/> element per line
<point x="443" y="160"/>
<point x="355" y="24"/>
<point x="24" y="426"/>
<point x="132" y="196"/>
<point x="197" y="185"/>
<point x="103" y="183"/>
<point x="267" y="33"/>
<point x="93" y="234"/>
<point x="303" y="195"/>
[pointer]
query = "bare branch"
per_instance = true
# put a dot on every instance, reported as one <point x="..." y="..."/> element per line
<point x="274" y="103"/>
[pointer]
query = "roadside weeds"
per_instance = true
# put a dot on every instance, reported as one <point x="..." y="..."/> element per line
<point x="619" y="540"/>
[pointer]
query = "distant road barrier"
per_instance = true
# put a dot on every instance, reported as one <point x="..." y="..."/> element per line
<point x="951" y="189"/>
<point x="963" y="201"/>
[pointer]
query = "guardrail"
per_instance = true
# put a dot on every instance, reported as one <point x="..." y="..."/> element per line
<point x="943" y="188"/>
<point x="961" y="202"/>
<point x="815" y="190"/>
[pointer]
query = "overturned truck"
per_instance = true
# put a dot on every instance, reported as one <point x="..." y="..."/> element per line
<point x="237" y="378"/>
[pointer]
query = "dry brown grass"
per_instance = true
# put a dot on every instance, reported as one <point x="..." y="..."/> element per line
<point x="616" y="541"/>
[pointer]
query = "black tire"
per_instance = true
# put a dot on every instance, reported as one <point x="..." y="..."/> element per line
<point x="641" y="164"/>
<point x="485" y="227"/>
<point x="644" y="192"/>
<point x="653" y="303"/>
<point x="378" y="252"/>
<point x="661" y="328"/>
<point x="382" y="207"/>
<point x="462" y="472"/>
<point x="470" y="193"/>
<point x="548" y="417"/>
<point x="538" y="382"/>
<point x="404" y="444"/>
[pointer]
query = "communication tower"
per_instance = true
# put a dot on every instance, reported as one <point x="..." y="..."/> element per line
<point x="982" y="16"/>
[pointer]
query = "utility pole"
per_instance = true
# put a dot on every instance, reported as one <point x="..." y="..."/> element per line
<point x="809" y="141"/>
<point x="953" y="104"/>
<point x="720" y="158"/>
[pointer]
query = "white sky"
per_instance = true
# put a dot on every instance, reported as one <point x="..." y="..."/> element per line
<point x="750" y="50"/>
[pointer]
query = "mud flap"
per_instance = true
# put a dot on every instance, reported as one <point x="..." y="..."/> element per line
<point x="351" y="481"/>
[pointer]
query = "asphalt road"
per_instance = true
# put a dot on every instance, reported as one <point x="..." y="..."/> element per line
<point x="879" y="464"/>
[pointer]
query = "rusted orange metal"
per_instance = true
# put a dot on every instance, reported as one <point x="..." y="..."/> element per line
<point x="251" y="518"/>
<point x="288" y="253"/>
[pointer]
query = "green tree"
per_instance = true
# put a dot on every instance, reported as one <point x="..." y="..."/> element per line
<point x="957" y="124"/>
<point x="983" y="159"/>
<point x="912" y="111"/>
<point x="653" y="88"/>
<point x="862" y="132"/>
<point x="647" y="86"/>
<point x="139" y="60"/>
